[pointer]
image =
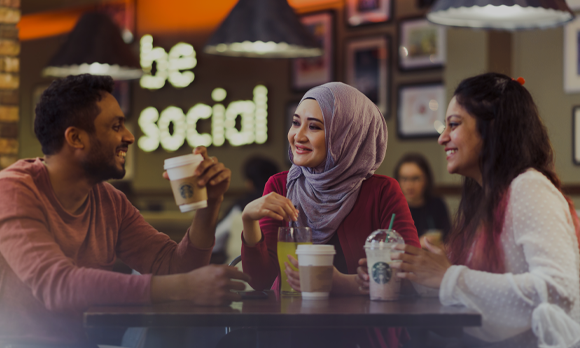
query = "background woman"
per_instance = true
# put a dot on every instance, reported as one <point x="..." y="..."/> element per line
<point x="337" y="140"/>
<point x="429" y="213"/>
<point x="512" y="255"/>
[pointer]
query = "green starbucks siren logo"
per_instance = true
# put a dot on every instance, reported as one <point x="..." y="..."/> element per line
<point x="186" y="191"/>
<point x="381" y="273"/>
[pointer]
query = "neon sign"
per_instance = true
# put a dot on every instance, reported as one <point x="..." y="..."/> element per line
<point x="172" y="127"/>
<point x="254" y="123"/>
<point x="168" y="65"/>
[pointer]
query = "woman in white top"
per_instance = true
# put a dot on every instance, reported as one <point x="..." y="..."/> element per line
<point x="512" y="254"/>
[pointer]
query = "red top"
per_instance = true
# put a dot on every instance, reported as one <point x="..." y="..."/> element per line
<point x="379" y="197"/>
<point x="54" y="265"/>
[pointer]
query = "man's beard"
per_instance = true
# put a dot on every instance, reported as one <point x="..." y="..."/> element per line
<point x="100" y="165"/>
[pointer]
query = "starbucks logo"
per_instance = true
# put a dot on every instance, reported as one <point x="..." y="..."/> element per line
<point x="381" y="273"/>
<point x="186" y="191"/>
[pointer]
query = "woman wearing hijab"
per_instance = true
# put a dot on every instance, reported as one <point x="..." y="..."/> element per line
<point x="337" y="140"/>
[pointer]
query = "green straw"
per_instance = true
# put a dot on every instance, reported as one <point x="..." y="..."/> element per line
<point x="392" y="220"/>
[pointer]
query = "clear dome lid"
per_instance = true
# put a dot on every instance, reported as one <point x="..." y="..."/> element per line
<point x="379" y="238"/>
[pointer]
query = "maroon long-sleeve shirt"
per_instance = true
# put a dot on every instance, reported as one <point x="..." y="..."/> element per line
<point x="379" y="197"/>
<point x="54" y="265"/>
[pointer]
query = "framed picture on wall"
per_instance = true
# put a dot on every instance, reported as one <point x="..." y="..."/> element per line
<point x="421" y="111"/>
<point x="576" y="135"/>
<point x="360" y="12"/>
<point x="310" y="72"/>
<point x="572" y="56"/>
<point x="422" y="45"/>
<point x="367" y="68"/>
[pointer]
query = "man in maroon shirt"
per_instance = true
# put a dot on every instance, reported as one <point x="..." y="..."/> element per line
<point x="62" y="227"/>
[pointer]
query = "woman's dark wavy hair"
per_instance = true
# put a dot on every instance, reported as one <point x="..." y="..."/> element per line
<point x="68" y="102"/>
<point x="513" y="140"/>
<point x="422" y="163"/>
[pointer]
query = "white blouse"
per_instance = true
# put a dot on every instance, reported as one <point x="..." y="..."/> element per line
<point x="537" y="301"/>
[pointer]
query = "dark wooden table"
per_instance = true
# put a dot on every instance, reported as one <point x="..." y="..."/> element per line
<point x="285" y="312"/>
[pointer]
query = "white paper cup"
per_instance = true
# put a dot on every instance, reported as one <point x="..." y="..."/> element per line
<point x="316" y="267"/>
<point x="187" y="193"/>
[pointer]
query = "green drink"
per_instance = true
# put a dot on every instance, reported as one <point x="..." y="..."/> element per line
<point x="288" y="240"/>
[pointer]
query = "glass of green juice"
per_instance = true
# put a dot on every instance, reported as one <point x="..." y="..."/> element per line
<point x="288" y="240"/>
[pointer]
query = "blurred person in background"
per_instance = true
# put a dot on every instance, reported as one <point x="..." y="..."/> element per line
<point x="416" y="179"/>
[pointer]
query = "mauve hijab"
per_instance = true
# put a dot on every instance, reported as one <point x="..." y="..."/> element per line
<point x="356" y="140"/>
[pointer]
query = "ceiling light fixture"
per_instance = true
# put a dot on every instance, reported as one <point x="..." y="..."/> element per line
<point x="95" y="46"/>
<point x="263" y="29"/>
<point x="501" y="14"/>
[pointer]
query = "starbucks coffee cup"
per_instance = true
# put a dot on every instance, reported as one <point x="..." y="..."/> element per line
<point x="315" y="266"/>
<point x="383" y="281"/>
<point x="188" y="194"/>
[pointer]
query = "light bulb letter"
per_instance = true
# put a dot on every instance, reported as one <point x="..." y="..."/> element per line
<point x="172" y="114"/>
<point x="147" y="119"/>
<point x="197" y="112"/>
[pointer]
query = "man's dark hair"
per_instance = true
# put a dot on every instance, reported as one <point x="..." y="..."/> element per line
<point x="68" y="102"/>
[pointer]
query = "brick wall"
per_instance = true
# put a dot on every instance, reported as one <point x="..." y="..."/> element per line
<point x="9" y="81"/>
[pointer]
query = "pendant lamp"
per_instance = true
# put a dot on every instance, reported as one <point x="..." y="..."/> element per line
<point x="501" y="14"/>
<point x="95" y="46"/>
<point x="263" y="29"/>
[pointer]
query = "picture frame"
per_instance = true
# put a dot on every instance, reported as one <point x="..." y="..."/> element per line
<point x="422" y="45"/>
<point x="576" y="135"/>
<point x="310" y="72"/>
<point x="421" y="110"/>
<point x="364" y="12"/>
<point x="572" y="56"/>
<point x="367" y="68"/>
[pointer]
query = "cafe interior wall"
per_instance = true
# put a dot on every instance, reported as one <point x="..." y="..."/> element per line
<point x="535" y="55"/>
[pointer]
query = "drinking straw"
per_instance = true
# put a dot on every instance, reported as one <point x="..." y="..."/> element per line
<point x="392" y="220"/>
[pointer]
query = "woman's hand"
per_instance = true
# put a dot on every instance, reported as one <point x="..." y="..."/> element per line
<point x="343" y="284"/>
<point x="362" y="277"/>
<point x="422" y="266"/>
<point x="293" y="275"/>
<point x="271" y="205"/>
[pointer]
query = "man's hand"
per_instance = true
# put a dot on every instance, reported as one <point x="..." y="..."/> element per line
<point x="212" y="174"/>
<point x="211" y="285"/>
<point x="206" y="286"/>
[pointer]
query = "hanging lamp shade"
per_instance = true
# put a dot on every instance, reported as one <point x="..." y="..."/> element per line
<point x="95" y="46"/>
<point x="263" y="29"/>
<point x="501" y="14"/>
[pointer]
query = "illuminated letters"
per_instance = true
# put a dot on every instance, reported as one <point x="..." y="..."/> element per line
<point x="169" y="65"/>
<point x="254" y="123"/>
<point x="172" y="127"/>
